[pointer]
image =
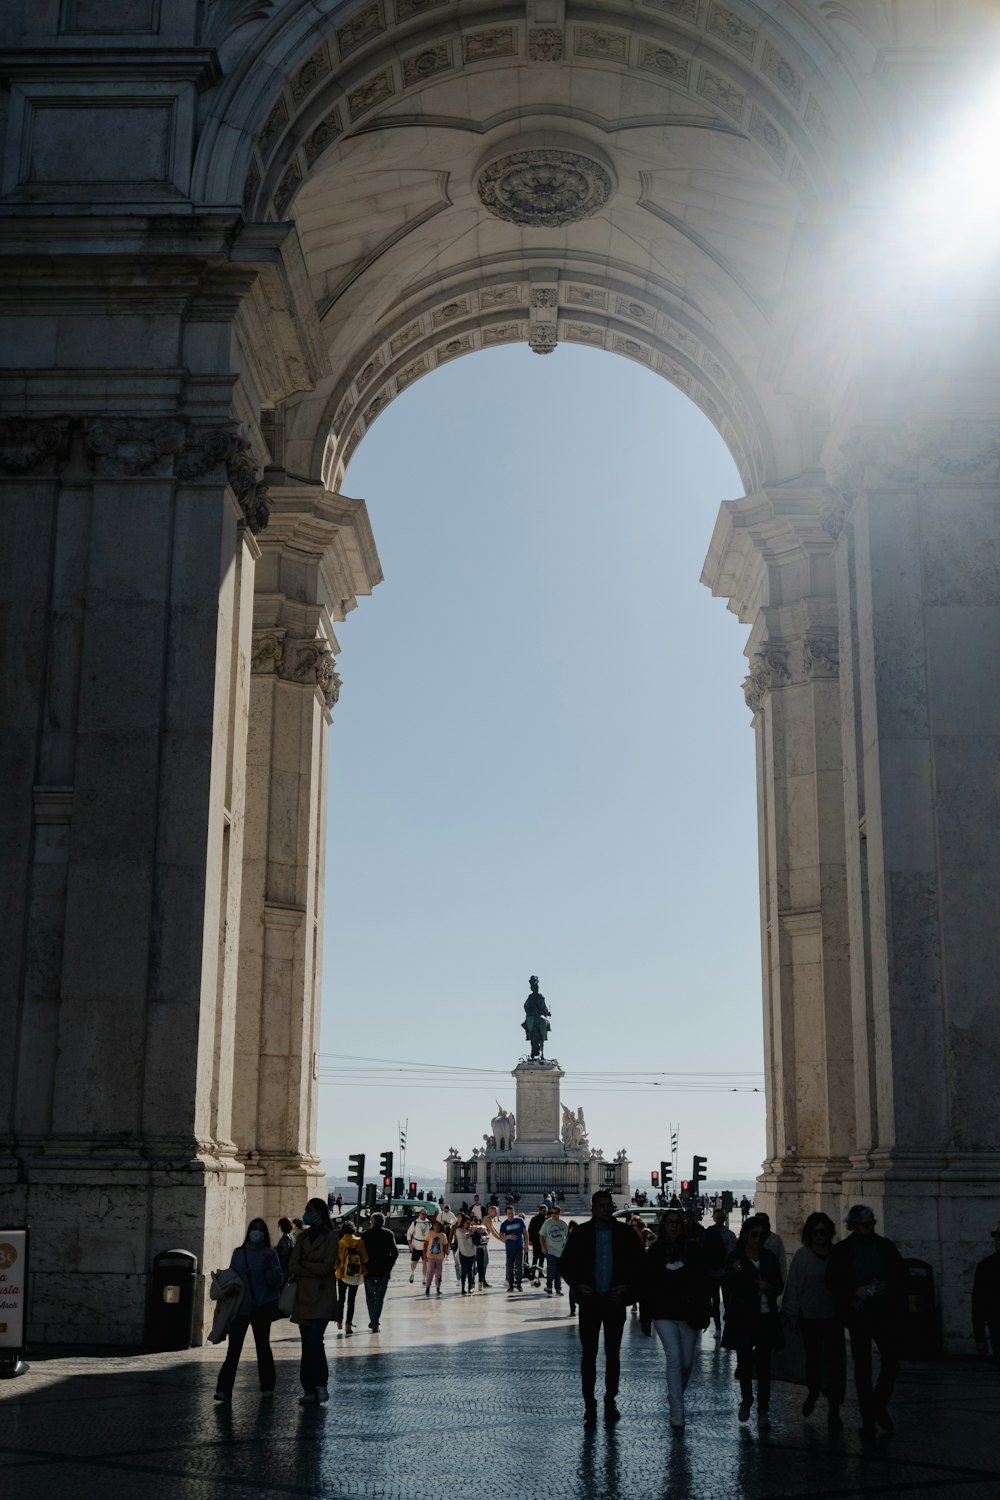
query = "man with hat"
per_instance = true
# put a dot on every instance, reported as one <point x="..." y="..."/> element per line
<point x="867" y="1277"/>
<point x="986" y="1300"/>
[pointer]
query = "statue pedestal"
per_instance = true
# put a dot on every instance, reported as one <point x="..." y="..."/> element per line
<point x="538" y="1114"/>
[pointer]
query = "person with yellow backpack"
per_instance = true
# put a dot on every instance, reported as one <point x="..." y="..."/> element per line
<point x="352" y="1263"/>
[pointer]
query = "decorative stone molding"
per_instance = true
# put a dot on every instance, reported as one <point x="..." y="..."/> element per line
<point x="543" y="338"/>
<point x="27" y="446"/>
<point x="545" y="44"/>
<point x="832" y="515"/>
<point x="544" y="186"/>
<point x="133" y="446"/>
<point x="265" y="653"/>
<point x="821" y="657"/>
<point x="206" y="447"/>
<point x="769" y="670"/>
<point x="311" y="663"/>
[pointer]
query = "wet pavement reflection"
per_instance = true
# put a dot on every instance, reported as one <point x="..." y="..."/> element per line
<point x="483" y="1387"/>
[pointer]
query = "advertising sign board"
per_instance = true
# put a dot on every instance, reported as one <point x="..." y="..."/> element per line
<point x="13" y="1290"/>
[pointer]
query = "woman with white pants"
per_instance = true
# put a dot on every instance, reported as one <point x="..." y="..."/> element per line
<point x="676" y="1301"/>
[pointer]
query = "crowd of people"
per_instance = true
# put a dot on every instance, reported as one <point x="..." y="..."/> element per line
<point x="678" y="1279"/>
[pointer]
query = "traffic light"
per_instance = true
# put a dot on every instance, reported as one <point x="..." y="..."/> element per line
<point x="654" y="1178"/>
<point x="371" y="1196"/>
<point x="356" y="1171"/>
<point x="386" y="1168"/>
<point x="727" y="1201"/>
<point x="397" y="1187"/>
<point x="685" y="1185"/>
<point x="698" y="1171"/>
<point x="665" y="1172"/>
<point x="413" y="1189"/>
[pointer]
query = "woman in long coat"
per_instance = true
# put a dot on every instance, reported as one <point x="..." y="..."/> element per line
<point x="259" y="1269"/>
<point x="313" y="1263"/>
<point x="751" y="1287"/>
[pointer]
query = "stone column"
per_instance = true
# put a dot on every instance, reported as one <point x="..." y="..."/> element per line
<point x="772" y="556"/>
<point x="127" y="588"/>
<point x="920" y="618"/>
<point x="131" y="454"/>
<point x="317" y="555"/>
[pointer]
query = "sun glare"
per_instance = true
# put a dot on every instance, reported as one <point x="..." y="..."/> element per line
<point x="947" y="216"/>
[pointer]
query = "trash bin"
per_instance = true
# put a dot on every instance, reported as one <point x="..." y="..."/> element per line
<point x="170" y="1321"/>
<point x="921" y="1335"/>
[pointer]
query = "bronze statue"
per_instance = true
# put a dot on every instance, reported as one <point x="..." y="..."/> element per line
<point x="536" y="1023"/>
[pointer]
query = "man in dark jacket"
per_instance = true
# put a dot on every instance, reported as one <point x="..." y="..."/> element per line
<point x="534" y="1231"/>
<point x="380" y="1245"/>
<point x="603" y="1262"/>
<point x="986" y="1300"/>
<point x="867" y="1277"/>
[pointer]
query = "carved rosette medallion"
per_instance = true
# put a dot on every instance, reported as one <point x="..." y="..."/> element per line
<point x="544" y="186"/>
<point x="28" y="446"/>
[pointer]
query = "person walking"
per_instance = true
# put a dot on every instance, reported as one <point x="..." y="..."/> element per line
<point x="479" y="1235"/>
<point x="465" y="1251"/>
<point x="774" y="1243"/>
<point x="285" y="1243"/>
<point x="313" y="1264"/>
<point x="382" y="1254"/>
<point x="867" y="1277"/>
<point x="676" y="1300"/>
<point x="808" y="1301"/>
<point x="513" y="1233"/>
<point x="554" y="1234"/>
<point x="717" y="1245"/>
<point x="259" y="1269"/>
<point x="604" y="1265"/>
<point x="570" y="1227"/>
<point x="352" y="1261"/>
<point x="415" y="1234"/>
<point x="534" y="1235"/>
<point x="751" y="1287"/>
<point x="986" y="1300"/>
<point x="435" y="1250"/>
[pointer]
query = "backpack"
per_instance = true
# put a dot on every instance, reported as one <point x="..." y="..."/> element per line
<point x="352" y="1265"/>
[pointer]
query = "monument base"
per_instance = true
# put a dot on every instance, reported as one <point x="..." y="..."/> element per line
<point x="540" y="1149"/>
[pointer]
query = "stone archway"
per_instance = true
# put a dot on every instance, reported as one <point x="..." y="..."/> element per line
<point x="302" y="209"/>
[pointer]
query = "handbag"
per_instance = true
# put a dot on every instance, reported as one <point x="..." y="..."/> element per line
<point x="285" y="1305"/>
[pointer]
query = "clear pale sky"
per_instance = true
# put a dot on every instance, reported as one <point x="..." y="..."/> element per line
<point x="542" y="763"/>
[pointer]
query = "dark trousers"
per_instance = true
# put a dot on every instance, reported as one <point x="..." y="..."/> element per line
<point x="313" y="1370"/>
<point x="467" y="1267"/>
<point x="260" y="1322"/>
<point x="348" y="1294"/>
<point x="515" y="1265"/>
<point x="826" y="1358"/>
<point x="599" y="1312"/>
<point x="993" y="1329"/>
<point x="884" y="1336"/>
<point x="481" y="1262"/>
<point x="753" y="1358"/>
<point x="375" y="1290"/>
<point x="717" y="1303"/>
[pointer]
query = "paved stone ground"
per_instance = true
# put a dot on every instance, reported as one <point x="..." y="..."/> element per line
<point x="485" y="1387"/>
